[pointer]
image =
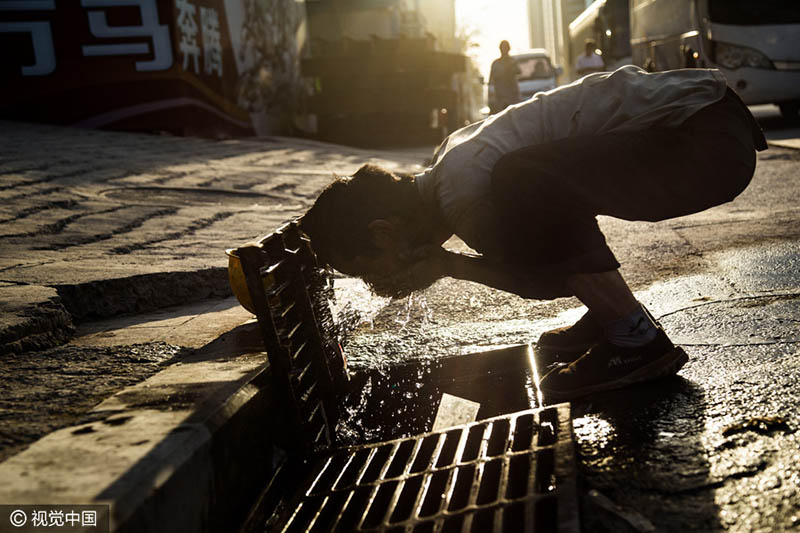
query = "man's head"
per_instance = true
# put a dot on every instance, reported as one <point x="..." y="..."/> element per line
<point x="504" y="48"/>
<point x="590" y="46"/>
<point x="364" y="224"/>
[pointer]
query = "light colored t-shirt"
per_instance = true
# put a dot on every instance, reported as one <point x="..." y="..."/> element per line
<point x="593" y="61"/>
<point x="458" y="182"/>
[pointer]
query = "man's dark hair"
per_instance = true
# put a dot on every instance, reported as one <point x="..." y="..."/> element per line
<point x="338" y="221"/>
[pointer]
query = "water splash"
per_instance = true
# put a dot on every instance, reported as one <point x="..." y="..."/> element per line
<point x="415" y="312"/>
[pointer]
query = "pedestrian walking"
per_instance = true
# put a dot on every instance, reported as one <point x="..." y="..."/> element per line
<point x="523" y="188"/>
<point x="503" y="84"/>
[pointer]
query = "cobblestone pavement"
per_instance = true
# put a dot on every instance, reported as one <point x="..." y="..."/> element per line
<point x="121" y="222"/>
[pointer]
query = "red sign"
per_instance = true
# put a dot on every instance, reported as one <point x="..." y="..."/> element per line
<point x="125" y="64"/>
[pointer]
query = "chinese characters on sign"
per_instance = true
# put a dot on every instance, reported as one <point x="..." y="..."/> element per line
<point x="135" y="65"/>
<point x="188" y="29"/>
<point x="209" y="33"/>
<point x="149" y="36"/>
<point x="212" y="49"/>
<point x="44" y="54"/>
<point x="155" y="33"/>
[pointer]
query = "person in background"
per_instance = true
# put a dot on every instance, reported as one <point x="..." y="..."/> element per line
<point x="590" y="61"/>
<point x="503" y="85"/>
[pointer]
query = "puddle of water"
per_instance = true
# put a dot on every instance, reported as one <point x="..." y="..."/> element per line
<point x="373" y="345"/>
<point x="501" y="381"/>
<point x="654" y="425"/>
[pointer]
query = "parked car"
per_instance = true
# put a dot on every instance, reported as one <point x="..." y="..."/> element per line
<point x="537" y="73"/>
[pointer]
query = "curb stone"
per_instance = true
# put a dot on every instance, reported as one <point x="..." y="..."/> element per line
<point x="32" y="318"/>
<point x="166" y="454"/>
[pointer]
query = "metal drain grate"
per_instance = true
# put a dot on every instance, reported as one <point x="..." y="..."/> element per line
<point x="513" y="473"/>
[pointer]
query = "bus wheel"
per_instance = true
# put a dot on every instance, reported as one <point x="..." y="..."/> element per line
<point x="791" y="111"/>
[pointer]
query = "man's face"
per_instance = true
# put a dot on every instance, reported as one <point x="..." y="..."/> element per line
<point x="392" y="244"/>
<point x="385" y="271"/>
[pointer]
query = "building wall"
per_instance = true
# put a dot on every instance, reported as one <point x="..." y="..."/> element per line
<point x="440" y="20"/>
<point x="334" y="20"/>
<point x="387" y="71"/>
<point x="549" y="28"/>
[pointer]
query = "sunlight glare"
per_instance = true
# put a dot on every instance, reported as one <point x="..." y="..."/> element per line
<point x="487" y="22"/>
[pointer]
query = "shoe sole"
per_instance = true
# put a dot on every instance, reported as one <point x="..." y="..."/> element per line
<point x="667" y="365"/>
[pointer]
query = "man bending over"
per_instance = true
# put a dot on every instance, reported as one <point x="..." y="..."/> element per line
<point x="524" y="187"/>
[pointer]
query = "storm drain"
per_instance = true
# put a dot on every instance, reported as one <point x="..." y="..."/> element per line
<point x="513" y="473"/>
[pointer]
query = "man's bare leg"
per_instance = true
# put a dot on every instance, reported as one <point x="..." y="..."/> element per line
<point x="624" y="321"/>
<point x="608" y="298"/>
<point x="605" y="293"/>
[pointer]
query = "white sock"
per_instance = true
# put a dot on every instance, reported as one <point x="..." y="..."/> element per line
<point x="630" y="331"/>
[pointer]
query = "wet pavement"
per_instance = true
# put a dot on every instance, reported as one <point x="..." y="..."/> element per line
<point x="715" y="448"/>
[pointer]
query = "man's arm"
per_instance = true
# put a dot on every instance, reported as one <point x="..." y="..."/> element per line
<point x="432" y="263"/>
<point x="480" y="270"/>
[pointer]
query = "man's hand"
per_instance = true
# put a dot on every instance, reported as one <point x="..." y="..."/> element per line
<point x="424" y="266"/>
<point x="428" y="264"/>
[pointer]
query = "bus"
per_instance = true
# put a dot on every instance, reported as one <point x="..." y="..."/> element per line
<point x="606" y="23"/>
<point x="756" y="44"/>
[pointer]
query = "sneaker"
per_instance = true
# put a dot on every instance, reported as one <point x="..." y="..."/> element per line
<point x="570" y="342"/>
<point x="607" y="367"/>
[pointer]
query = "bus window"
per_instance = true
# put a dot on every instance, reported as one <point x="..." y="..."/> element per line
<point x="749" y="13"/>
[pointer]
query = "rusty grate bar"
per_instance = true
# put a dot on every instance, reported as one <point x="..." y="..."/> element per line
<point x="510" y="473"/>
